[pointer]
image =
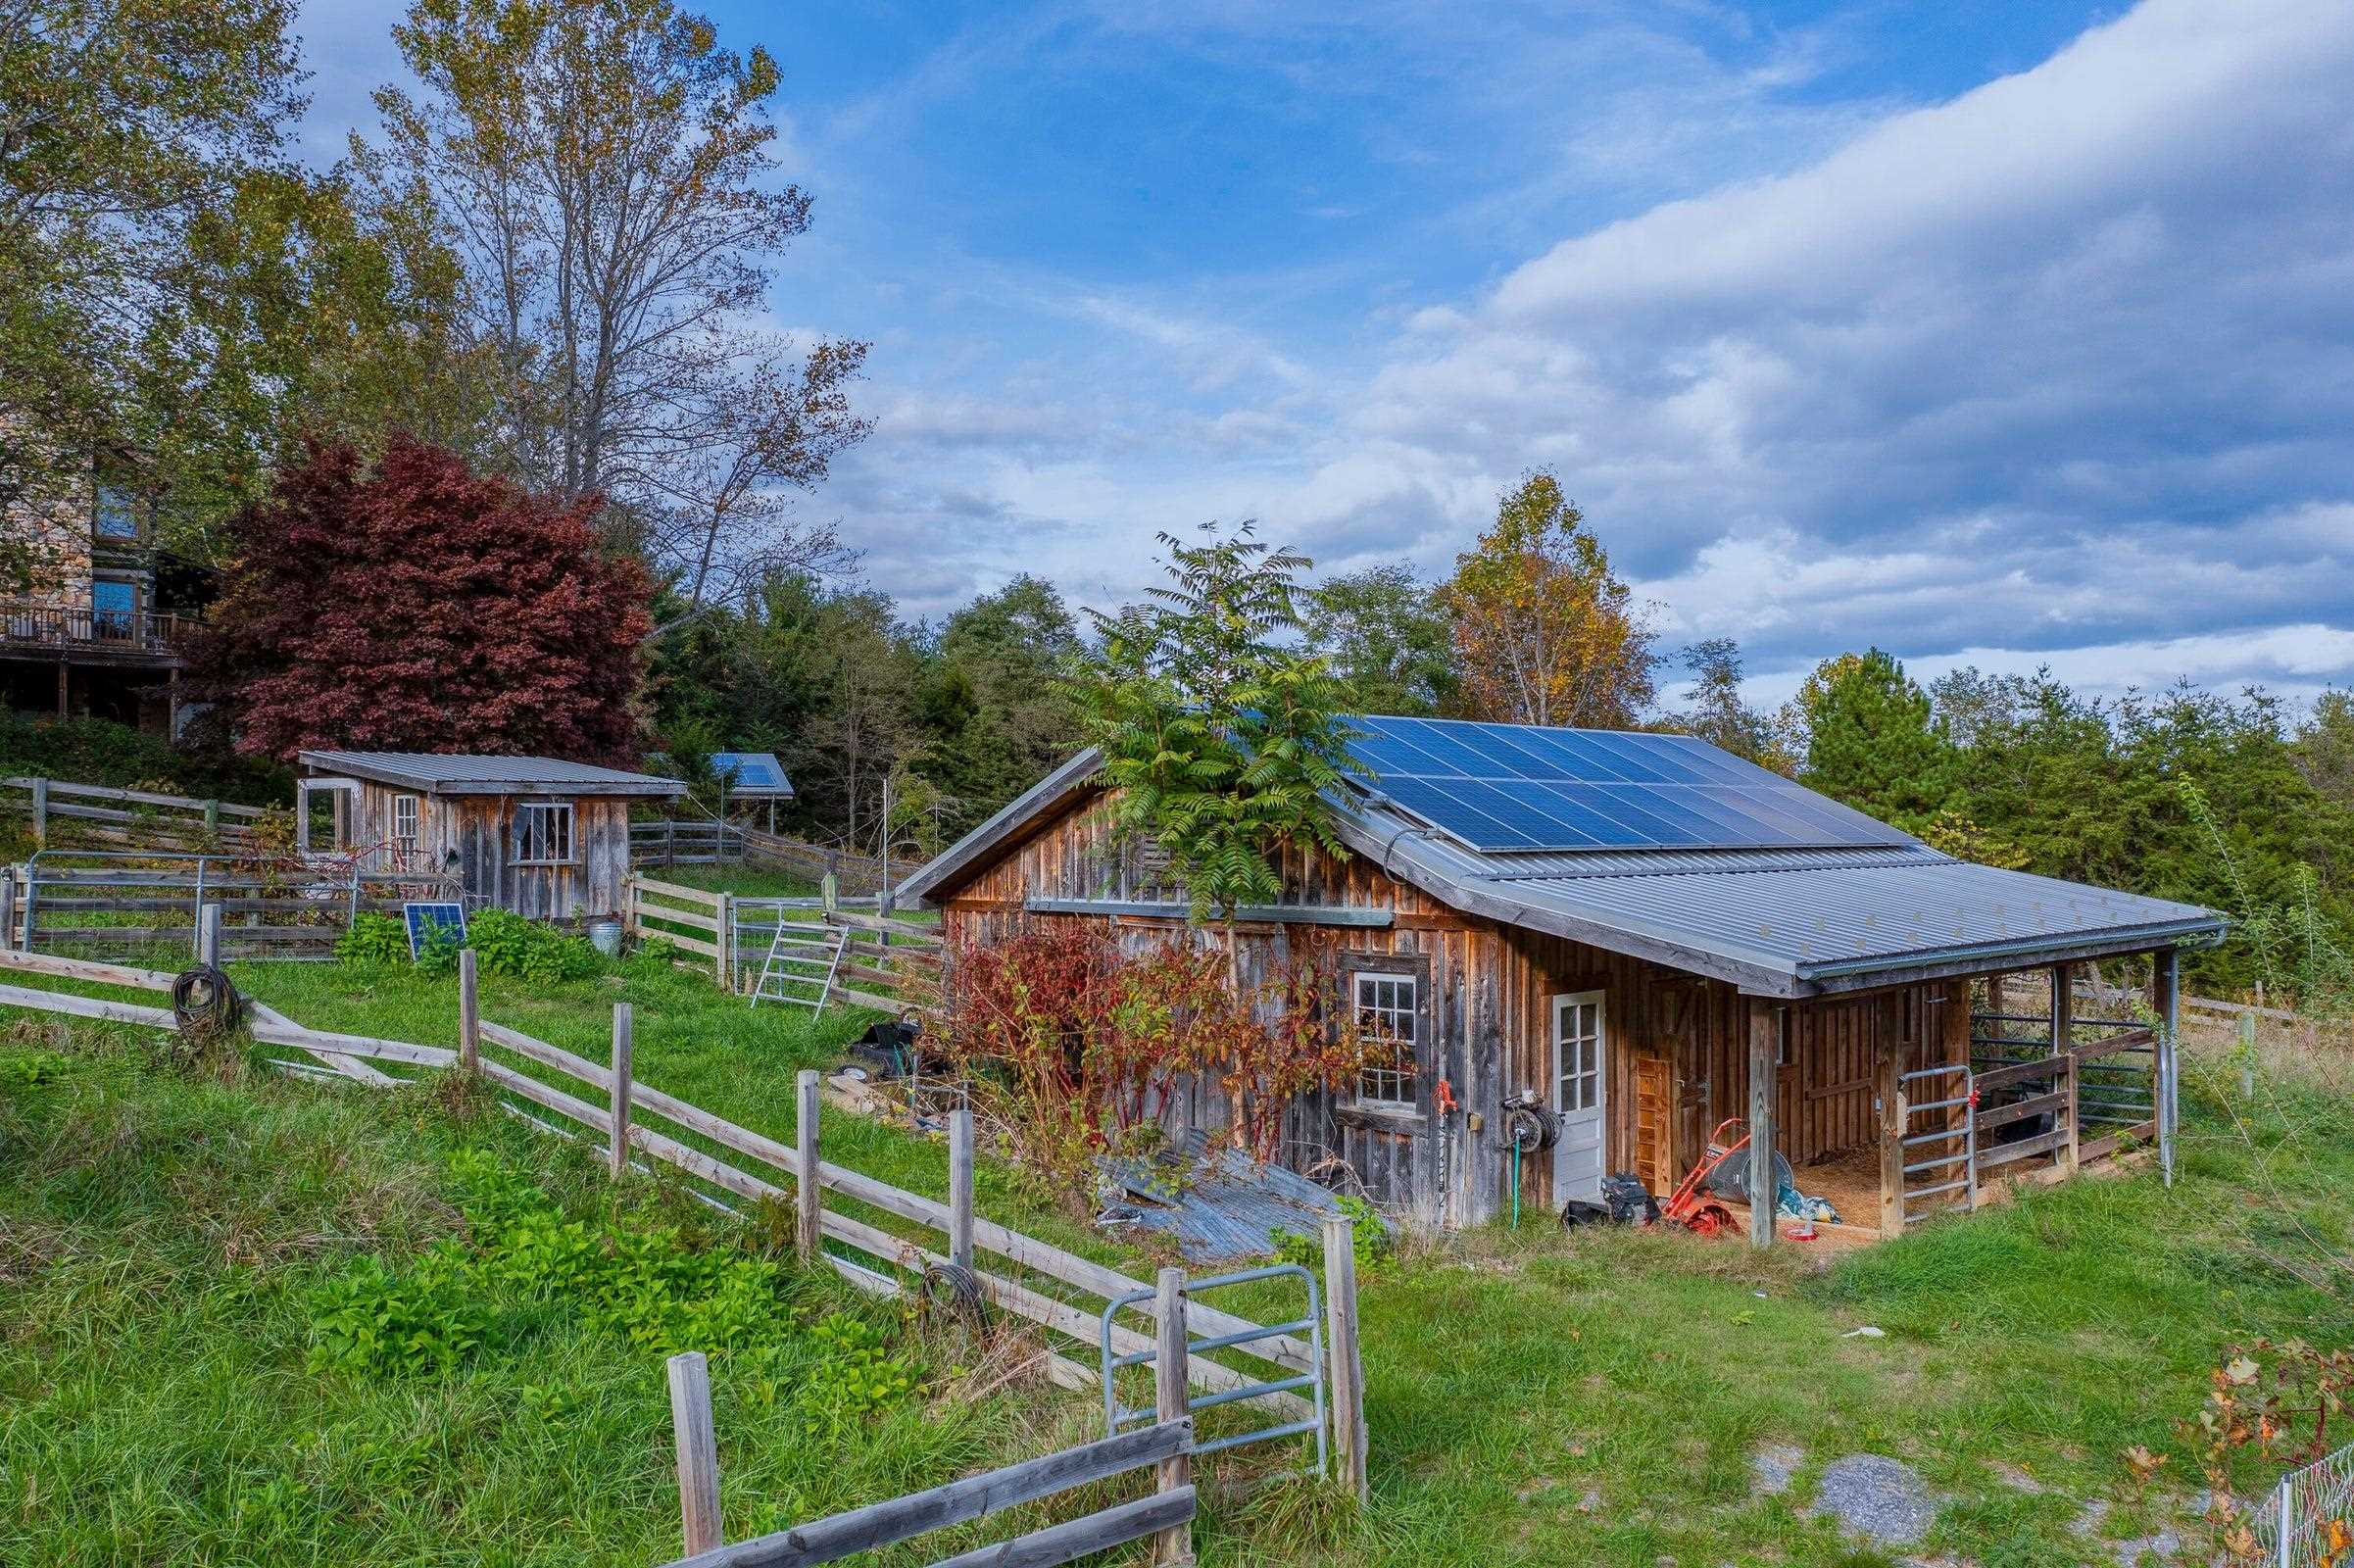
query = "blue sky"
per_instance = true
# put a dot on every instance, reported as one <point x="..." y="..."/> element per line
<point x="1990" y="333"/>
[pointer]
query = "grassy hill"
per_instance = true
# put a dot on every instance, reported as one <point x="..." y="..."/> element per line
<point x="167" y="1241"/>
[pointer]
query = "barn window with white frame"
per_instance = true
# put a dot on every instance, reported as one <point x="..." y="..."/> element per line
<point x="1386" y="1020"/>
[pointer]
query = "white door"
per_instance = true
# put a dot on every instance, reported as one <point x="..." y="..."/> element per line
<point x="1579" y="1157"/>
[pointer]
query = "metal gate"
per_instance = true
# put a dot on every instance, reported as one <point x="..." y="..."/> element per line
<point x="1933" y="1175"/>
<point x="1117" y="1417"/>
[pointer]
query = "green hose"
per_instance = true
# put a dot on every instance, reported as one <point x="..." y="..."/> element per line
<point x="1516" y="1184"/>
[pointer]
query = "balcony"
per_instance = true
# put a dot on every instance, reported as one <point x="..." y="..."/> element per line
<point x="80" y="634"/>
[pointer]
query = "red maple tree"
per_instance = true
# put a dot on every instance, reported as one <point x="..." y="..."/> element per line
<point x="418" y="606"/>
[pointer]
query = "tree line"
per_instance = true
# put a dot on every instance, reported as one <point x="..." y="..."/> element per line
<point x="469" y="442"/>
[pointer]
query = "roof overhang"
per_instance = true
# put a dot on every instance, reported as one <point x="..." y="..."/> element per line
<point x="388" y="770"/>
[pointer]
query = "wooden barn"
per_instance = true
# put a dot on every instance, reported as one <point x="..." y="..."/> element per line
<point x="537" y="835"/>
<point x="1643" y="936"/>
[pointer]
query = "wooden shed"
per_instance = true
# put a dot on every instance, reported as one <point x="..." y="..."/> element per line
<point x="538" y="835"/>
<point x="1643" y="936"/>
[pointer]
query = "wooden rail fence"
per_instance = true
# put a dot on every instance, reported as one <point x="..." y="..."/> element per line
<point x="1166" y="1512"/>
<point x="1035" y="1282"/>
<point x="94" y="815"/>
<point x="887" y="963"/>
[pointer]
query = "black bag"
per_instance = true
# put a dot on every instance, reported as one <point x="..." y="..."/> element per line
<point x="1577" y="1211"/>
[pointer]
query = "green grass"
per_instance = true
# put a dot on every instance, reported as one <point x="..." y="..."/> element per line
<point x="1532" y="1396"/>
<point x="745" y="881"/>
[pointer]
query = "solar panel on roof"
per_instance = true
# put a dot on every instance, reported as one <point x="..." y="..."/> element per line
<point x="754" y="770"/>
<point x="1512" y="787"/>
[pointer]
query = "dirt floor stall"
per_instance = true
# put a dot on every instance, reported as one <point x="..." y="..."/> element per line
<point x="537" y="835"/>
<point x="1815" y="974"/>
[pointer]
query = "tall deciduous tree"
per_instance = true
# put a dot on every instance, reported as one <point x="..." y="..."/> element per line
<point x="1717" y="712"/>
<point x="124" y="124"/>
<point x="608" y="173"/>
<point x="1386" y="638"/>
<point x="420" y="607"/>
<point x="1545" y="632"/>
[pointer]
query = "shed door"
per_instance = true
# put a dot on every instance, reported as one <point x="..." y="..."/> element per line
<point x="1579" y="1156"/>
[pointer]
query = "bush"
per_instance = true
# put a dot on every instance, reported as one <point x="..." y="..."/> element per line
<point x="506" y="943"/>
<point x="369" y="1319"/>
<point x="374" y="939"/>
<point x="1371" y="1241"/>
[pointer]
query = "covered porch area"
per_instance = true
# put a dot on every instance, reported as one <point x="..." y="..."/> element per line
<point x="1901" y="1106"/>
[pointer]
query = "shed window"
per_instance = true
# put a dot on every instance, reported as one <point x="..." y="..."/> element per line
<point x="404" y="825"/>
<point x="543" y="833"/>
<point x="1385" y="1020"/>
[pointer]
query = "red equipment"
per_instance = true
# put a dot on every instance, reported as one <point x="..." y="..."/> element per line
<point x="1686" y="1206"/>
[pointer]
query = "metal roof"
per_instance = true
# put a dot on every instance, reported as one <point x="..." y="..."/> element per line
<point x="459" y="773"/>
<point x="1775" y="922"/>
<point x="758" y="775"/>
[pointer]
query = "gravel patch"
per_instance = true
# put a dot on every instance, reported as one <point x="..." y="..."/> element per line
<point x="1771" y="1468"/>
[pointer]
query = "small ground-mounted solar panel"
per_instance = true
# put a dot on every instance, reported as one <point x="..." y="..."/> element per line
<point x="754" y="772"/>
<point x="430" y="918"/>
<point x="1502" y="788"/>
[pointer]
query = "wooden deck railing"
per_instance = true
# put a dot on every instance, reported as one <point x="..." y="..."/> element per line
<point x="71" y="629"/>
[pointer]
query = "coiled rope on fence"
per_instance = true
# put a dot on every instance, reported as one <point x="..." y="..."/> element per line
<point x="203" y="1003"/>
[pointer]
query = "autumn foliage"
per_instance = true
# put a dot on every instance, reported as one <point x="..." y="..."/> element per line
<point x="1079" y="1046"/>
<point x="418" y="606"/>
<point x="1545" y="632"/>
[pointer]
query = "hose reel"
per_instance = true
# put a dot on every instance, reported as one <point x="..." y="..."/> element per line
<point x="1530" y="1126"/>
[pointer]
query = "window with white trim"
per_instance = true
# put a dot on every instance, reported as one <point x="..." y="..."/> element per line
<point x="543" y="833"/>
<point x="1386" y="1019"/>
<point x="404" y="827"/>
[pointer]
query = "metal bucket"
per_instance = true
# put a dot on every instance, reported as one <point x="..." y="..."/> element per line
<point x="605" y="937"/>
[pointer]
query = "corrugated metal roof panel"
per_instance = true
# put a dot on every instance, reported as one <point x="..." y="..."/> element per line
<point x="464" y="774"/>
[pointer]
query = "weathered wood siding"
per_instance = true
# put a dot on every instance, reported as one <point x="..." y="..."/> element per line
<point x="471" y="837"/>
<point x="1677" y="1046"/>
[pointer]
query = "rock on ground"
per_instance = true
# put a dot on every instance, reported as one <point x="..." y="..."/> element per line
<point x="1878" y="1497"/>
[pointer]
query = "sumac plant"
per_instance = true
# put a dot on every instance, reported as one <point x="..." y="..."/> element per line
<point x="1085" y="1044"/>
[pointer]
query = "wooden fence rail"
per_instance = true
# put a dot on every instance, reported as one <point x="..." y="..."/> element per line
<point x="1167" y="1511"/>
<point x="126" y="819"/>
<point x="614" y="1105"/>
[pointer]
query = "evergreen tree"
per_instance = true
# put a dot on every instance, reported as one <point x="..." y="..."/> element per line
<point x="1870" y="740"/>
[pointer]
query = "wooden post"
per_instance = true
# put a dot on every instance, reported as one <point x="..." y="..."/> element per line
<point x="670" y="843"/>
<point x="469" y="1013"/>
<point x="1345" y="1375"/>
<point x="8" y="909"/>
<point x="1765" y="1042"/>
<point x="212" y="816"/>
<point x="805" y="1136"/>
<point x="2247" y="1055"/>
<point x="727" y="941"/>
<point x="1172" y="1351"/>
<point x="1888" y="1090"/>
<point x="208" y="935"/>
<point x="40" y="813"/>
<point x="959" y="1187"/>
<point x="829" y="886"/>
<point x="698" y="1451"/>
<point x="618" y="1143"/>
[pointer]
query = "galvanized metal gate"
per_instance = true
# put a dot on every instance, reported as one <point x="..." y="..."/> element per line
<point x="1935" y="1174"/>
<point x="1118" y="1417"/>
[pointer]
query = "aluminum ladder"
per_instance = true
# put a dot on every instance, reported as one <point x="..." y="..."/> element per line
<point x="804" y="956"/>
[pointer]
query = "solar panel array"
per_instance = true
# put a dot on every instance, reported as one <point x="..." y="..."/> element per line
<point x="755" y="770"/>
<point x="1507" y="787"/>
